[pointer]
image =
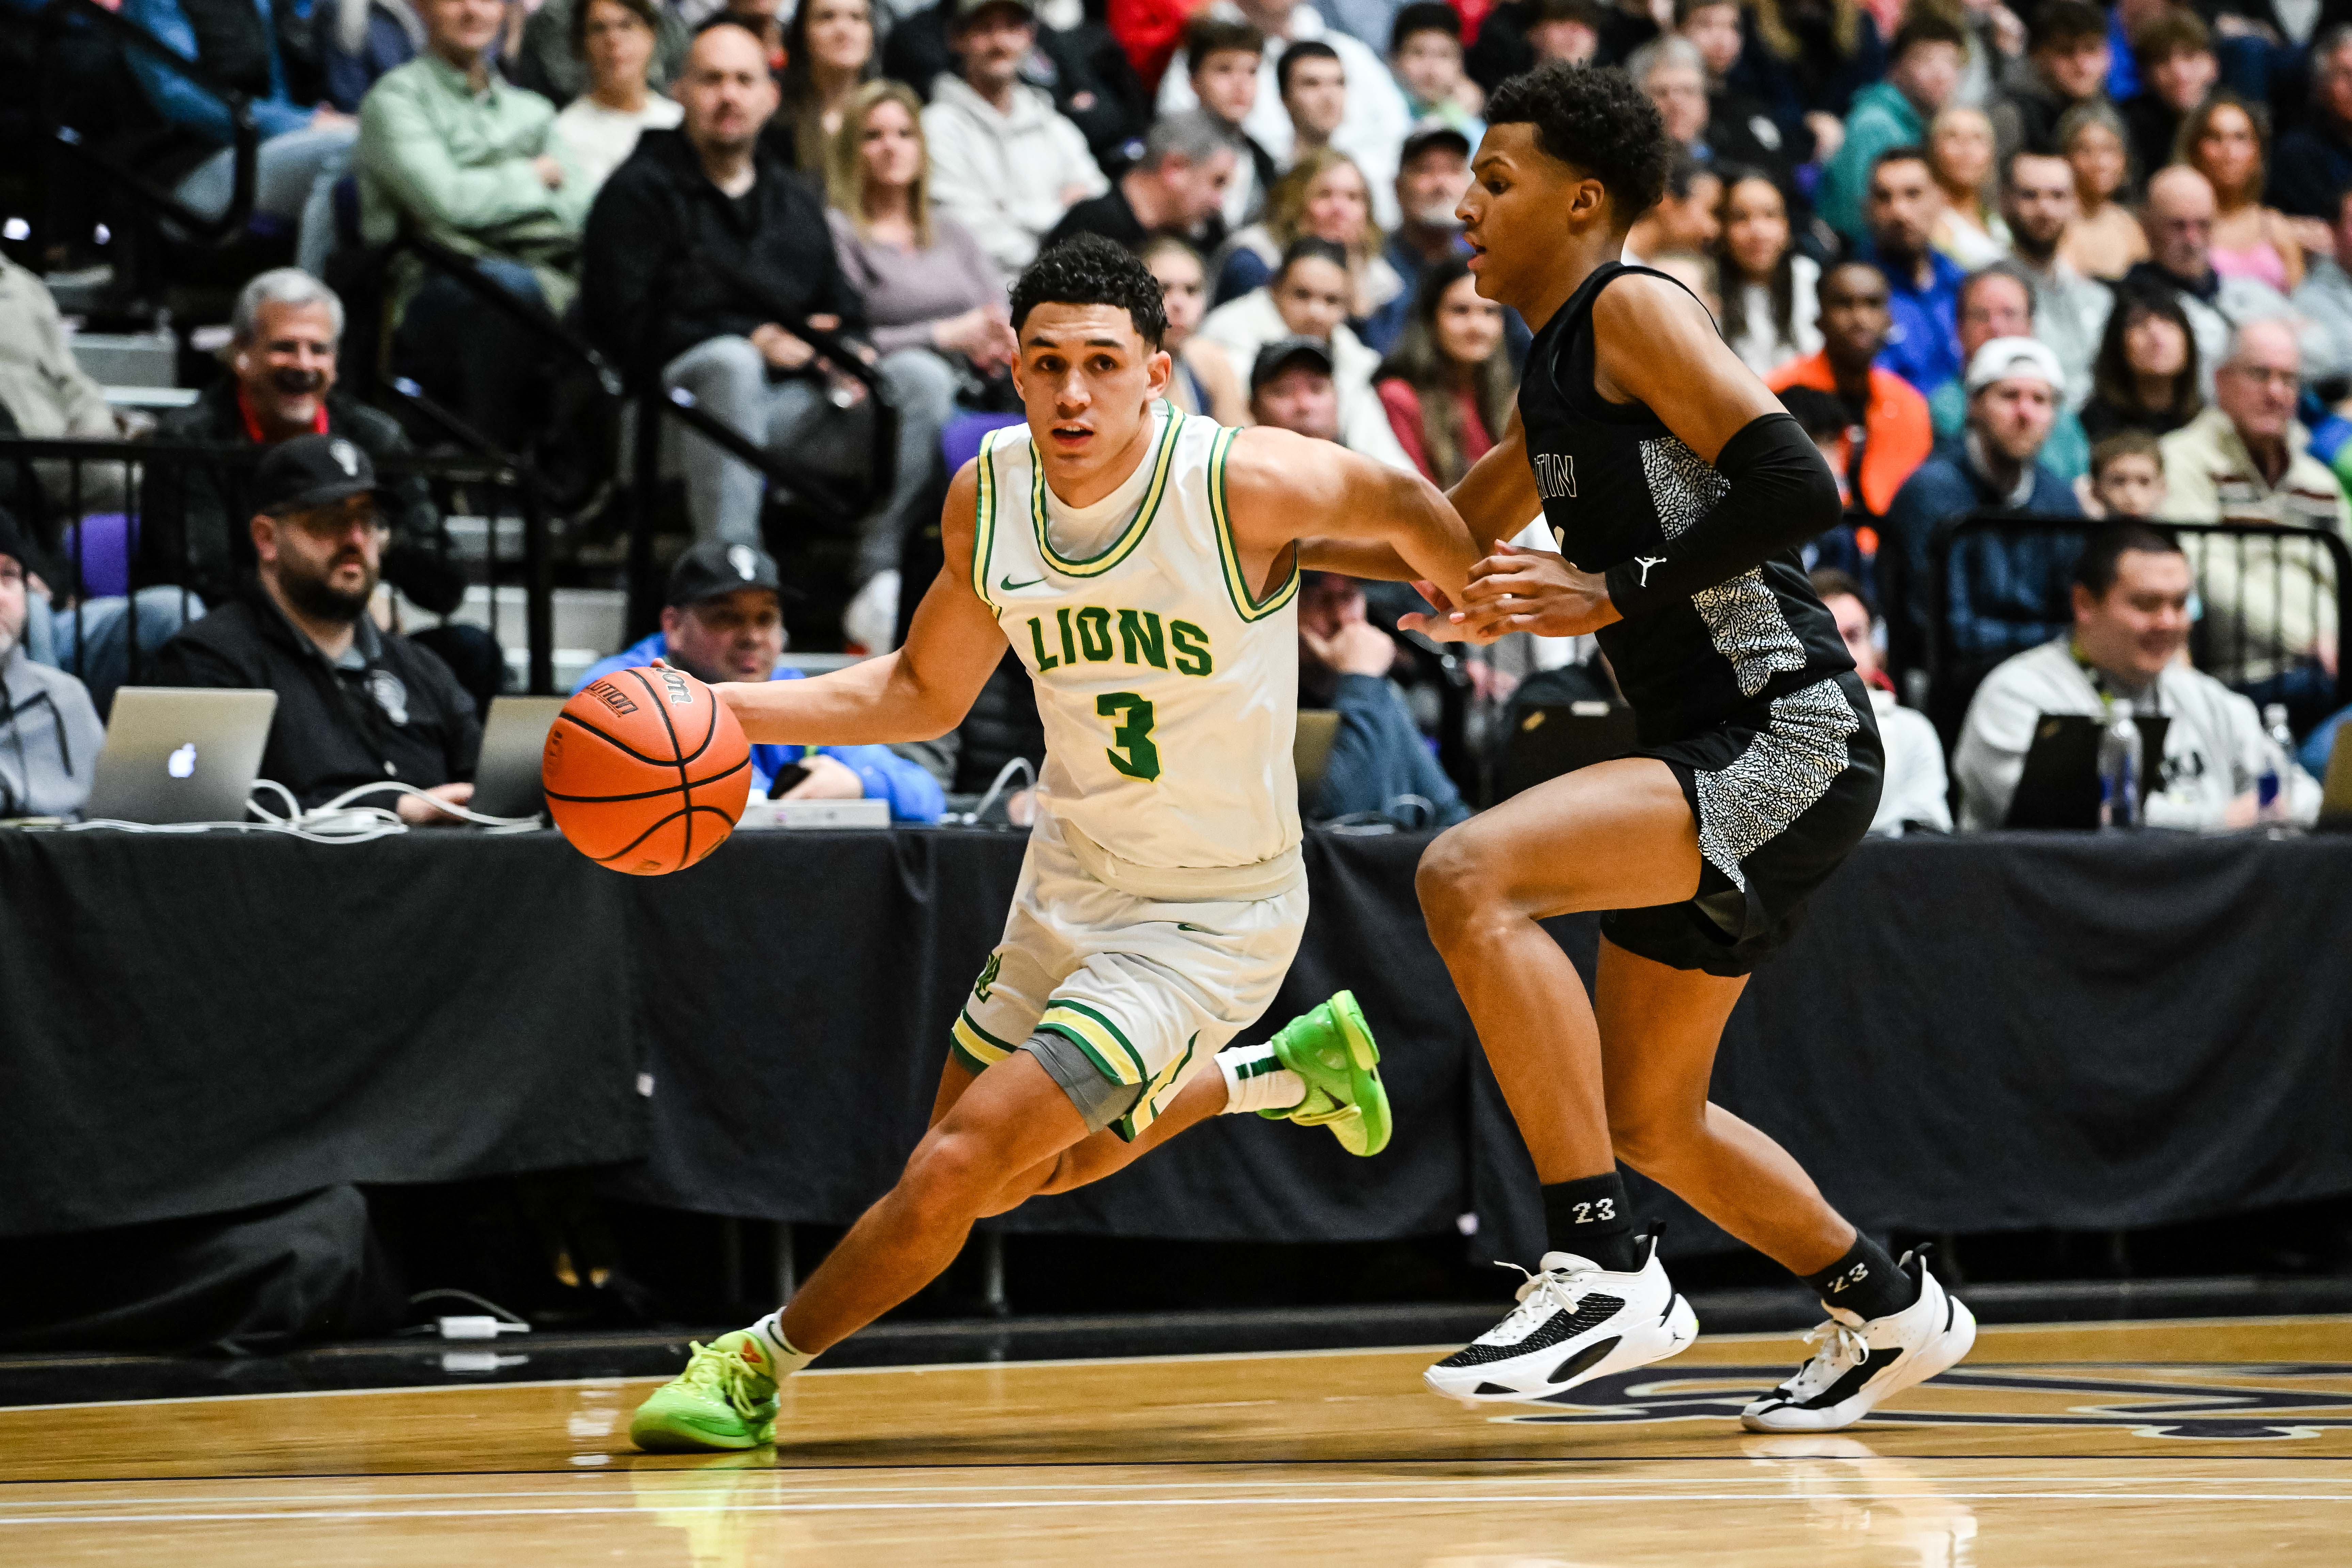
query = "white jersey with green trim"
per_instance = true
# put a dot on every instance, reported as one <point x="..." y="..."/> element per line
<point x="1169" y="692"/>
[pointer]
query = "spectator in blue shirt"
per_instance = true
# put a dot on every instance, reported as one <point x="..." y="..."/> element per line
<point x="1927" y="63"/>
<point x="1379" y="760"/>
<point x="1923" y="284"/>
<point x="303" y="150"/>
<point x="2006" y="592"/>
<point x="725" y="621"/>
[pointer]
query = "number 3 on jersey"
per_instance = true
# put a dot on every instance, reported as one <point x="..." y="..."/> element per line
<point x="1131" y="735"/>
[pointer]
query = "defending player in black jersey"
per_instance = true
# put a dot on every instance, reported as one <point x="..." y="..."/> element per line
<point x="1678" y="489"/>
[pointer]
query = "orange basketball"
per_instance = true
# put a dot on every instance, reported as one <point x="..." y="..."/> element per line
<point x="645" y="771"/>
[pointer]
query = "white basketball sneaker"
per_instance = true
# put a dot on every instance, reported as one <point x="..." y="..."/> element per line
<point x="1859" y="1365"/>
<point x="1575" y="1321"/>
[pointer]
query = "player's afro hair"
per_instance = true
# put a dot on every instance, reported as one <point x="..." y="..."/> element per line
<point x="1597" y="119"/>
<point x="1091" y="270"/>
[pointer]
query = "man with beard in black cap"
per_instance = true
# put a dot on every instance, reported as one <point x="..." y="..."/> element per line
<point x="354" y="705"/>
<point x="286" y="333"/>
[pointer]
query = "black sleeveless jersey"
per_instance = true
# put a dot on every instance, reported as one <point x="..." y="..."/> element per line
<point x="1616" y="484"/>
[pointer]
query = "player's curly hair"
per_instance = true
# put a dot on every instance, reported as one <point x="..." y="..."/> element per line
<point x="1598" y="120"/>
<point x="1089" y="269"/>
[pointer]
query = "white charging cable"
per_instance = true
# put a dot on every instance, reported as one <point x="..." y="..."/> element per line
<point x="486" y="1325"/>
<point x="339" y="821"/>
<point x="1013" y="765"/>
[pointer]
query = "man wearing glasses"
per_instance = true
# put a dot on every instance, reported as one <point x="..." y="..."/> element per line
<point x="355" y="705"/>
<point x="2269" y="610"/>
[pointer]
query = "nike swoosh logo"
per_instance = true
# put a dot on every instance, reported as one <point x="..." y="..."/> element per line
<point x="1182" y="926"/>
<point x="1010" y="586"/>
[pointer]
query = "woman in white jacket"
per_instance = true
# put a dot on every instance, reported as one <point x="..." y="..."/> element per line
<point x="1307" y="296"/>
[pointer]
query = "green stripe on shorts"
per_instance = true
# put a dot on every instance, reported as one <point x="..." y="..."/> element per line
<point x="974" y="1046"/>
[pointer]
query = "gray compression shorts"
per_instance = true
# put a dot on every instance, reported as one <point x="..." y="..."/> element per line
<point x="1100" y="1100"/>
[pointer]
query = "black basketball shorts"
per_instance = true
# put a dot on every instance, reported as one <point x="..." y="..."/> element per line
<point x="1781" y="792"/>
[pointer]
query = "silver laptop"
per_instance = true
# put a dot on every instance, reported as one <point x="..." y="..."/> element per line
<point x="180" y="754"/>
<point x="506" y="779"/>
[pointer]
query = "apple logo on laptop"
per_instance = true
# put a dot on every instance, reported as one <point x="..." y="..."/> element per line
<point x="182" y="763"/>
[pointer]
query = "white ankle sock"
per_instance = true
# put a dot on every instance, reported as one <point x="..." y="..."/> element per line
<point x="770" y="1332"/>
<point x="1256" y="1079"/>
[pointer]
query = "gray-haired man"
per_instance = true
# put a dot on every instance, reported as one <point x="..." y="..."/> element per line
<point x="284" y="332"/>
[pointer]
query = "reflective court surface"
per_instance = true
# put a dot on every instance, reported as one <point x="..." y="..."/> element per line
<point x="2214" y="1441"/>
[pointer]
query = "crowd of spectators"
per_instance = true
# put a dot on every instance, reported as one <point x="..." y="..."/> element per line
<point x="2072" y="261"/>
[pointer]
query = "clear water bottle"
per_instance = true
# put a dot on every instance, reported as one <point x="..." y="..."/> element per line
<point x="2271" y="801"/>
<point x="2119" y="772"/>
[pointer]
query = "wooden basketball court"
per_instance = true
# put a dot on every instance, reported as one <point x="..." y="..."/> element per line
<point x="2214" y="1441"/>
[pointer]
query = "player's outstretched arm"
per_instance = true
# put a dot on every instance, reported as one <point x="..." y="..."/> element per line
<point x="1497" y="497"/>
<point x="917" y="693"/>
<point x="1345" y="512"/>
<point x="1654" y="342"/>
<point x="1496" y="501"/>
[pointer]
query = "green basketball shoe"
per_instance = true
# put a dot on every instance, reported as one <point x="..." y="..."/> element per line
<point x="1331" y="1048"/>
<point x="724" y="1399"/>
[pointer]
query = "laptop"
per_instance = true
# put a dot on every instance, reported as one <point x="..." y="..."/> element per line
<point x="506" y="778"/>
<point x="2335" y="794"/>
<point x="1555" y="738"/>
<point x="1310" y="749"/>
<point x="2059" y="786"/>
<point x="178" y="754"/>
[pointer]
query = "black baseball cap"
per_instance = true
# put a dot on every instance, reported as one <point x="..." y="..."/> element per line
<point x="1283" y="352"/>
<point x="12" y="542"/>
<point x="311" y="471"/>
<point x="1432" y="133"/>
<point x="715" y="567"/>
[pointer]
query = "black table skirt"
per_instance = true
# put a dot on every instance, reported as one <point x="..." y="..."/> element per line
<point x="1969" y="1034"/>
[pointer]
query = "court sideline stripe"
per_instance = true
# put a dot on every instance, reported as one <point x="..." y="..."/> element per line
<point x="2304" y="1320"/>
<point x="971" y="1505"/>
<point x="935" y="1489"/>
<point x="986" y="1466"/>
<point x="934" y="1484"/>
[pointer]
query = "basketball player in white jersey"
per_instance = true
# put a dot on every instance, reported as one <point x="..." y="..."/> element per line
<point x="1144" y="564"/>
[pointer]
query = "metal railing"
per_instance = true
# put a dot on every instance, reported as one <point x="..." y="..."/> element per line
<point x="2271" y="600"/>
<point x="167" y="494"/>
<point x="566" y="346"/>
<point x="656" y="404"/>
<point x="65" y="144"/>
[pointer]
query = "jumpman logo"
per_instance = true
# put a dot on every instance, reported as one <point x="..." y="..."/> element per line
<point x="1645" y="562"/>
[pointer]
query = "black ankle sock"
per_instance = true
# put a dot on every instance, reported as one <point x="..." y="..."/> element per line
<point x="1589" y="1217"/>
<point x="1865" y="1281"/>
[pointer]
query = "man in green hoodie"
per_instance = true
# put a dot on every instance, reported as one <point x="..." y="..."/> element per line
<point x="1928" y="53"/>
